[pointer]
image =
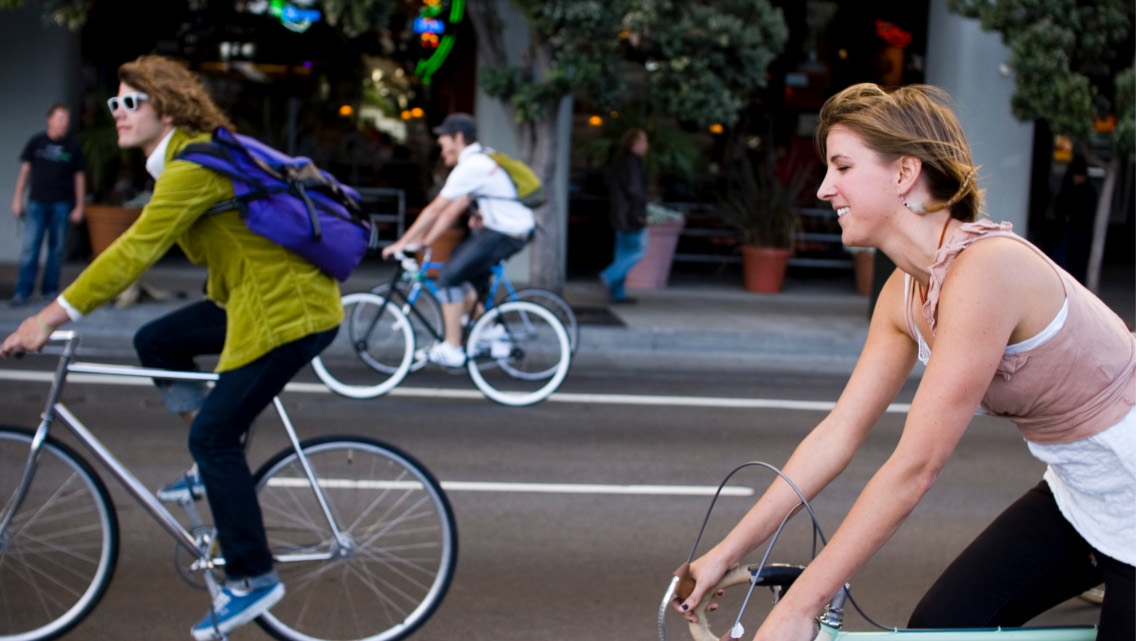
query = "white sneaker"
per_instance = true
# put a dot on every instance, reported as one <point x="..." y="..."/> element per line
<point x="446" y="354"/>
<point x="490" y="335"/>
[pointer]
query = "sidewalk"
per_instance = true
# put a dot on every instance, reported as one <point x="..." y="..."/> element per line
<point x="702" y="324"/>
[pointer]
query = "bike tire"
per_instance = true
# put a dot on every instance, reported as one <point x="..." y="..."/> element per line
<point x="372" y="352"/>
<point x="427" y="326"/>
<point x="58" y="553"/>
<point x="536" y="358"/>
<point x="561" y="309"/>
<point x="402" y="537"/>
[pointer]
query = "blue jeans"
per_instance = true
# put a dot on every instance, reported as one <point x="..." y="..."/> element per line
<point x="226" y="414"/>
<point x="48" y="219"/>
<point x="629" y="248"/>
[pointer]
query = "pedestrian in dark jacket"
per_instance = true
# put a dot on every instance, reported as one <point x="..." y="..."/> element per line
<point x="1076" y="208"/>
<point x="628" y="197"/>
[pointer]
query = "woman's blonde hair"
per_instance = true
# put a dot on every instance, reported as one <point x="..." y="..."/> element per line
<point x="916" y="121"/>
<point x="174" y="91"/>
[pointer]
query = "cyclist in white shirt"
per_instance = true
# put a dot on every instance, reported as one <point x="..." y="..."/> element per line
<point x="500" y="227"/>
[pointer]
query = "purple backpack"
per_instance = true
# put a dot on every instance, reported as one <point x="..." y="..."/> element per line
<point x="287" y="200"/>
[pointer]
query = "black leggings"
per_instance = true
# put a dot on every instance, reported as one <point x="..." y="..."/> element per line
<point x="1027" y="561"/>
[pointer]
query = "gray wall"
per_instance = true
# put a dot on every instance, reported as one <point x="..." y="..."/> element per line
<point x="39" y="65"/>
<point x="967" y="62"/>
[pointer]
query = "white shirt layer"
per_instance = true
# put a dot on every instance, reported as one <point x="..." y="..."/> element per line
<point x="1093" y="480"/>
<point x="477" y="174"/>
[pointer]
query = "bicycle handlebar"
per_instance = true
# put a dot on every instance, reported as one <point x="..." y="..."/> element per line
<point x="407" y="259"/>
<point x="775" y="575"/>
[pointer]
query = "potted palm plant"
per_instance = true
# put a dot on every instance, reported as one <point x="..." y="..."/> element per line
<point x="762" y="207"/>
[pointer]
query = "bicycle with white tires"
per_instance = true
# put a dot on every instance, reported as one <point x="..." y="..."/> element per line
<point x="417" y="290"/>
<point x="517" y="352"/>
<point x="361" y="533"/>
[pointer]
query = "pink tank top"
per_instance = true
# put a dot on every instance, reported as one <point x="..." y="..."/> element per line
<point x="1073" y="385"/>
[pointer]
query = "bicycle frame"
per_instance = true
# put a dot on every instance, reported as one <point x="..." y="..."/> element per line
<point x="832" y="620"/>
<point x="157" y="511"/>
<point x="420" y="280"/>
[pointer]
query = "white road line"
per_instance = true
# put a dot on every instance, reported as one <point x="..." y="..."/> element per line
<point x="439" y="393"/>
<point x="533" y="488"/>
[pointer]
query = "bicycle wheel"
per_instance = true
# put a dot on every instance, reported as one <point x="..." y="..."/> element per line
<point x="398" y="555"/>
<point x="58" y="552"/>
<point x="561" y="309"/>
<point x="372" y="352"/>
<point x="426" y="325"/>
<point x="528" y="359"/>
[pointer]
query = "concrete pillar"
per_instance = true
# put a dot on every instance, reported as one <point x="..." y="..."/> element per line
<point x="968" y="63"/>
<point x="39" y="65"/>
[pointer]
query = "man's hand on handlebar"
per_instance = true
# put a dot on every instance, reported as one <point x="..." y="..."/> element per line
<point x="398" y="251"/>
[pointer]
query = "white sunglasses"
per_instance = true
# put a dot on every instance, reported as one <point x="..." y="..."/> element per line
<point x="130" y="101"/>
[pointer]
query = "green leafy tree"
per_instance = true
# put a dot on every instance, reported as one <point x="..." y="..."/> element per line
<point x="1073" y="64"/>
<point x="702" y="58"/>
<point x="702" y="61"/>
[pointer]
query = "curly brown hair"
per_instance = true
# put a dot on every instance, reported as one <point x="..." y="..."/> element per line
<point x="917" y="121"/>
<point x="173" y="90"/>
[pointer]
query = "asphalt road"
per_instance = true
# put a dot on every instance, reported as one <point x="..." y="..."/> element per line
<point x="583" y="566"/>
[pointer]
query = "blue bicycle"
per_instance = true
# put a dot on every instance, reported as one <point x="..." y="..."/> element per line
<point x="518" y="352"/>
<point x="416" y="291"/>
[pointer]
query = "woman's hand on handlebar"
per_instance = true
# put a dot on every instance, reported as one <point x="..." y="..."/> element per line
<point x="30" y="336"/>
<point x="784" y="623"/>
<point x="696" y="579"/>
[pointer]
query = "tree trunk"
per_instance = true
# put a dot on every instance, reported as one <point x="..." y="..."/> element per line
<point x="547" y="251"/>
<point x="1100" y="226"/>
<point x="537" y="142"/>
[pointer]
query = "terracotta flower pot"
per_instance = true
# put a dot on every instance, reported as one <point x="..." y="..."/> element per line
<point x="105" y="223"/>
<point x="764" y="268"/>
<point x="652" y="271"/>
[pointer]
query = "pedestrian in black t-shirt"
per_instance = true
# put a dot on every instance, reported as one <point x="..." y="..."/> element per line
<point x="52" y="163"/>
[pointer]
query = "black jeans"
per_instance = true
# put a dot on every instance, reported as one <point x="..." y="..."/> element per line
<point x="1027" y="561"/>
<point x="218" y="430"/>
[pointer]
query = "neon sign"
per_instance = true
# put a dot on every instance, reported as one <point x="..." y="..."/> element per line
<point x="892" y="33"/>
<point x="292" y="17"/>
<point x="435" y="26"/>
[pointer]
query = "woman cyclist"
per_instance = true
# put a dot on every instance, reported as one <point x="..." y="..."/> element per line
<point x="1000" y="327"/>
<point x="267" y="313"/>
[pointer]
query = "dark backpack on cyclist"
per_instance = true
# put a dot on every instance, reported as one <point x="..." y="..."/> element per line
<point x="287" y="200"/>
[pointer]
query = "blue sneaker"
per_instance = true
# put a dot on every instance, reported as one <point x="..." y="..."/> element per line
<point x="180" y="491"/>
<point x="233" y="609"/>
